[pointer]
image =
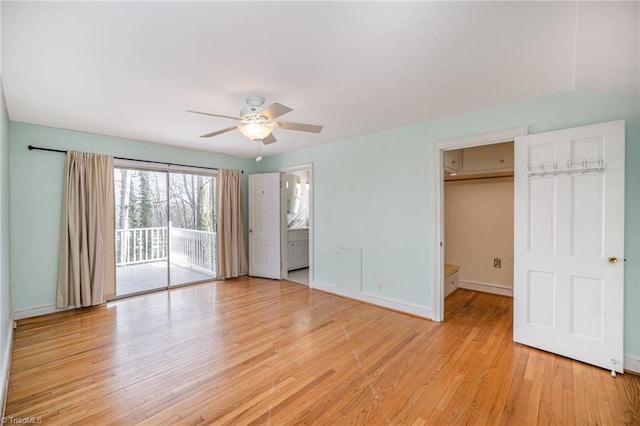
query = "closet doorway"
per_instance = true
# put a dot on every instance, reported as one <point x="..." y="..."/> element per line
<point x="478" y="218"/>
<point x="165" y="228"/>
<point x="474" y="215"/>
<point x="298" y="215"/>
<point x="569" y="236"/>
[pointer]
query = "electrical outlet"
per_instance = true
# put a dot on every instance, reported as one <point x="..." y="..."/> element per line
<point x="497" y="263"/>
<point x="379" y="285"/>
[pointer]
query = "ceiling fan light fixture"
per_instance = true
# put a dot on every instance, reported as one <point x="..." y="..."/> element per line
<point x="254" y="130"/>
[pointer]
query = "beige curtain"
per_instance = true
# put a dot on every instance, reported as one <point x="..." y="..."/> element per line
<point x="232" y="252"/>
<point x="87" y="248"/>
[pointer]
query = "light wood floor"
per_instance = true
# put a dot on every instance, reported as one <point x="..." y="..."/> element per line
<point x="268" y="352"/>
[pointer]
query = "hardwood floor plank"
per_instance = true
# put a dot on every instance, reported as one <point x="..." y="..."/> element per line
<point x="629" y="396"/>
<point x="255" y="351"/>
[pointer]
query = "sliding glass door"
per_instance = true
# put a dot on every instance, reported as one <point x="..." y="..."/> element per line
<point x="141" y="231"/>
<point x="165" y="229"/>
<point x="192" y="237"/>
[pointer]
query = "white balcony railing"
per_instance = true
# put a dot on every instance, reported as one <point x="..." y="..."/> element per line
<point x="196" y="249"/>
<point x="140" y="245"/>
<point x="188" y="247"/>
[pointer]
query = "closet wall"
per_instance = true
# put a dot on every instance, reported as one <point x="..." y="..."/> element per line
<point x="479" y="228"/>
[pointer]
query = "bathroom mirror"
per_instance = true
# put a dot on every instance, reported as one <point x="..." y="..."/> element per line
<point x="297" y="189"/>
<point x="291" y="182"/>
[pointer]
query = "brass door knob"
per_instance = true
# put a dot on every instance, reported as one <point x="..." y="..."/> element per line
<point x="612" y="259"/>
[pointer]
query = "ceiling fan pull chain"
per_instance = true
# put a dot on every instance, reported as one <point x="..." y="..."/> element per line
<point x="258" y="149"/>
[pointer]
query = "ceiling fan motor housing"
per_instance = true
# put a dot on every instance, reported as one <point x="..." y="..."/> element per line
<point x="255" y="104"/>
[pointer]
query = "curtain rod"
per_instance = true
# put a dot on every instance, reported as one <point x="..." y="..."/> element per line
<point x="62" y="151"/>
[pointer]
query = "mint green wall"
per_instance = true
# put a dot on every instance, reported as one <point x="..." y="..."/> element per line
<point x="374" y="192"/>
<point x="5" y="276"/>
<point x="5" y="306"/>
<point x="36" y="197"/>
<point x="371" y="192"/>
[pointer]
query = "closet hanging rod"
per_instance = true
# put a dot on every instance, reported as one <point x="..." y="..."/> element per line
<point x="460" y="178"/>
<point x="62" y="151"/>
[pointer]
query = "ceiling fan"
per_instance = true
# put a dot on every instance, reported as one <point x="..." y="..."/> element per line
<point x="257" y="122"/>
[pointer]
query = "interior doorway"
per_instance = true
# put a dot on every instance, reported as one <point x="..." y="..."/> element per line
<point x="298" y="215"/>
<point x="479" y="219"/>
<point x="448" y="163"/>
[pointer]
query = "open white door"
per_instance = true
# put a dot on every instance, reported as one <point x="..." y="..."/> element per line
<point x="264" y="225"/>
<point x="569" y="243"/>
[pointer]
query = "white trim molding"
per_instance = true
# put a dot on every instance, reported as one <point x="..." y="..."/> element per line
<point x="632" y="363"/>
<point x="437" y="191"/>
<point x="323" y="286"/>
<point x="490" y="138"/>
<point x="35" y="311"/>
<point x="385" y="302"/>
<point x="486" y="287"/>
<point x="5" y="367"/>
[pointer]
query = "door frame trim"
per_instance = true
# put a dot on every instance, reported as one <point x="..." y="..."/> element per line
<point x="437" y="189"/>
<point x="299" y="168"/>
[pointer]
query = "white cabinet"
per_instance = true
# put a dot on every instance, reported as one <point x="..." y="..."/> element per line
<point x="480" y="161"/>
<point x="297" y="248"/>
<point x="450" y="279"/>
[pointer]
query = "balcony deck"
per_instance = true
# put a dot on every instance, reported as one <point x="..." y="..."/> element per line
<point x="140" y="277"/>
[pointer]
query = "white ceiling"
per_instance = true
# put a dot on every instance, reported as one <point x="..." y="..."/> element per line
<point x="132" y="69"/>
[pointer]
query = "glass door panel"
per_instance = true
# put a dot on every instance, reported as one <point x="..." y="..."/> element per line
<point x="192" y="228"/>
<point x="141" y="231"/>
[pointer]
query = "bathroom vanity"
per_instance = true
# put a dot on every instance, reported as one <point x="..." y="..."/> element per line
<point x="297" y="248"/>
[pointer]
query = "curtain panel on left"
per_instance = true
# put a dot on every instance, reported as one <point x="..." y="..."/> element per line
<point x="86" y="265"/>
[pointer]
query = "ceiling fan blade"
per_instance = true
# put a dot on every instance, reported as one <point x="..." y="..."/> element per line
<point x="313" y="128"/>
<point x="219" y="132"/>
<point x="275" y="110"/>
<point x="214" y="115"/>
<point x="269" y="139"/>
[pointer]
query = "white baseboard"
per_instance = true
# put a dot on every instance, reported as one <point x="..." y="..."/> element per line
<point x="632" y="363"/>
<point x="486" y="288"/>
<point x="385" y="302"/>
<point x="37" y="311"/>
<point x="323" y="286"/>
<point x="5" y="368"/>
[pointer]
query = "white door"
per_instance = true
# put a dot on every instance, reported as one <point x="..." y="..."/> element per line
<point x="569" y="243"/>
<point x="265" y="225"/>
